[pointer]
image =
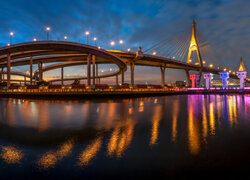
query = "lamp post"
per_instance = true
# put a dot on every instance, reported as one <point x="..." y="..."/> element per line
<point x="47" y="29"/>
<point x="95" y="39"/>
<point x="87" y="35"/>
<point x="121" y="42"/>
<point x="11" y="34"/>
<point x="112" y="43"/>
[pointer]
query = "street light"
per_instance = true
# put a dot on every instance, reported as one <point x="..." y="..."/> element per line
<point x="211" y="65"/>
<point x="95" y="39"/>
<point x="121" y="42"/>
<point x="129" y="49"/>
<point x="112" y="43"/>
<point x="34" y="39"/>
<point x="99" y="47"/>
<point x="87" y="34"/>
<point x="11" y="34"/>
<point x="65" y="38"/>
<point x="154" y="53"/>
<point x="47" y="29"/>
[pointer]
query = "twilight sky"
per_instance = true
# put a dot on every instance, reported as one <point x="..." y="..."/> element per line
<point x="225" y="24"/>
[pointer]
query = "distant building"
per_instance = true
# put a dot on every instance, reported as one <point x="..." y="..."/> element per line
<point x="180" y="83"/>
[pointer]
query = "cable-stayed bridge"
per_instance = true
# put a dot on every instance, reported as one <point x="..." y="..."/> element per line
<point x="181" y="52"/>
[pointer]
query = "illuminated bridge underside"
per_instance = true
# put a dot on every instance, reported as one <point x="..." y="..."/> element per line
<point x="76" y="63"/>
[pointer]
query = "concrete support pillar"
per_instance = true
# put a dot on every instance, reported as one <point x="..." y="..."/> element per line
<point x="40" y="70"/>
<point x="188" y="80"/>
<point x="96" y="72"/>
<point x="31" y="69"/>
<point x="62" y="76"/>
<point x="163" y="68"/>
<point x="122" y="76"/>
<point x="224" y="76"/>
<point x="208" y="77"/>
<point x="93" y="67"/>
<point x="132" y="69"/>
<point x="195" y="80"/>
<point x="242" y="75"/>
<point x="8" y="69"/>
<point x="89" y="69"/>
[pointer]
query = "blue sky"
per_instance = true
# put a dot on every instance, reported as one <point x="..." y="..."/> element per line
<point x="225" y="24"/>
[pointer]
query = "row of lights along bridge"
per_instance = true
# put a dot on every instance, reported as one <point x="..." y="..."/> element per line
<point x="87" y="33"/>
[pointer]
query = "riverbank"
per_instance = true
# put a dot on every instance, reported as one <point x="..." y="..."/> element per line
<point x="118" y="93"/>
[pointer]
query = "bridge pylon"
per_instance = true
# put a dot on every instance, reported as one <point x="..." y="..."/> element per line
<point x="194" y="46"/>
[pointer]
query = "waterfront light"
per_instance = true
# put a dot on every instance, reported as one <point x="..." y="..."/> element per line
<point x="99" y="47"/>
<point x="65" y="37"/>
<point x="34" y="39"/>
<point x="154" y="53"/>
<point x="8" y="44"/>
<point x="47" y="30"/>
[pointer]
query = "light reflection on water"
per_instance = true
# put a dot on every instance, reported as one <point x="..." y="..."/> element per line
<point x="116" y="125"/>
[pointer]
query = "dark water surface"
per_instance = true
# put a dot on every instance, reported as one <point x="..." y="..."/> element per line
<point x="173" y="136"/>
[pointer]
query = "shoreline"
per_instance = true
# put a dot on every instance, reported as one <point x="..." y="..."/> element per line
<point x="115" y="94"/>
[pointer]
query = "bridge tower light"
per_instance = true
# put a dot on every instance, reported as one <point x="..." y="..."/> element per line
<point x="194" y="46"/>
<point x="242" y="74"/>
